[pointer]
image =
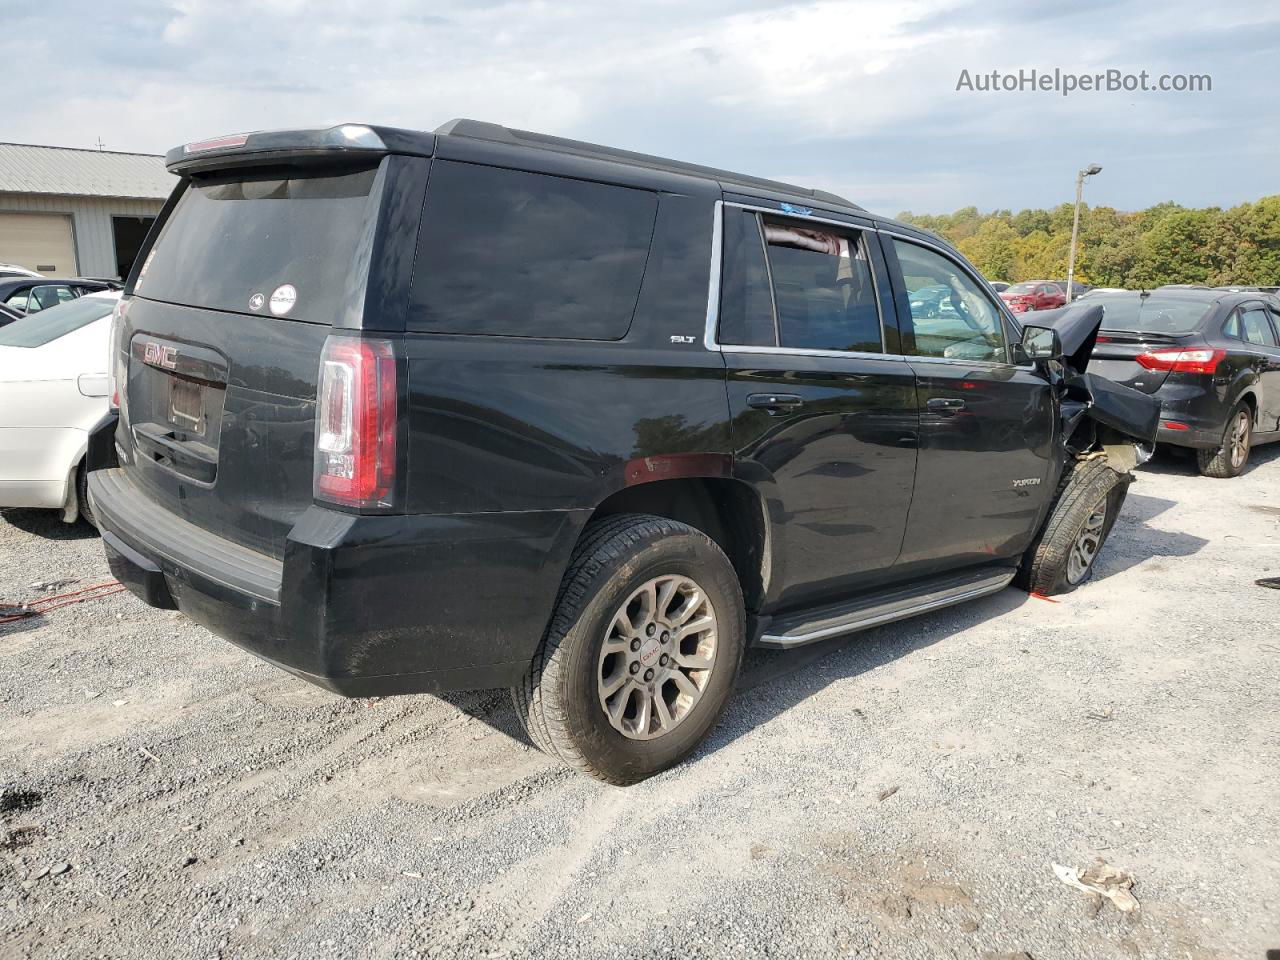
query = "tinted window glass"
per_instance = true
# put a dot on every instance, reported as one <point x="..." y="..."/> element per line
<point x="1257" y="328"/>
<point x="826" y="299"/>
<point x="1153" y="313"/>
<point x="230" y="239"/>
<point x="951" y="317"/>
<point x="1232" y="327"/>
<point x="42" y="298"/>
<point x="746" y="307"/>
<point x="529" y="255"/>
<point x="37" y="330"/>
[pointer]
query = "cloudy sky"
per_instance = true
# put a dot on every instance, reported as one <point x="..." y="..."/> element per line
<point x="855" y="97"/>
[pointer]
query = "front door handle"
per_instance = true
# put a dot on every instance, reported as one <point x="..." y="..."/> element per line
<point x="775" y="403"/>
<point x="945" y="404"/>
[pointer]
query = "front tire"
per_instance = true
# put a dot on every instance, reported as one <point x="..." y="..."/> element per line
<point x="1085" y="509"/>
<point x="1232" y="455"/>
<point x="642" y="652"/>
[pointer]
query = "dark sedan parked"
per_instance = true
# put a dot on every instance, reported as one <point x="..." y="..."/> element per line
<point x="1211" y="356"/>
<point x="23" y="295"/>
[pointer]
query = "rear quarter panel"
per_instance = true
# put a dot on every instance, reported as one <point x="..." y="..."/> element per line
<point x="519" y="424"/>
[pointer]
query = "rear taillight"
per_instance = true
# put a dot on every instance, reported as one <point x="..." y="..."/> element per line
<point x="116" y="372"/>
<point x="1183" y="361"/>
<point x="356" y="416"/>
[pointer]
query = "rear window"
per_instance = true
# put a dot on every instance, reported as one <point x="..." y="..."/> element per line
<point x="234" y="241"/>
<point x="1154" y="314"/>
<point x="37" y="329"/>
<point x="508" y="253"/>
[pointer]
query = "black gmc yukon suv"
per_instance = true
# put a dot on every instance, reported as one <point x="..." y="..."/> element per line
<point x="408" y="412"/>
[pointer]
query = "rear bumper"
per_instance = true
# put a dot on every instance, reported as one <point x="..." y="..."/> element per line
<point x="1201" y="412"/>
<point x="360" y="605"/>
<point x="1198" y="437"/>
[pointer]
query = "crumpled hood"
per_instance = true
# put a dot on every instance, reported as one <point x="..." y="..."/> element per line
<point x="1077" y="325"/>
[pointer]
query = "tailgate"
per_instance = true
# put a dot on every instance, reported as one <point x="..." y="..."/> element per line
<point x="221" y="345"/>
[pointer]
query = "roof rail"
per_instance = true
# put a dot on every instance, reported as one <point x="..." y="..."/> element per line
<point x="496" y="133"/>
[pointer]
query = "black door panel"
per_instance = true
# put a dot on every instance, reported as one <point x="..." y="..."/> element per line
<point x="837" y="465"/>
<point x="986" y="448"/>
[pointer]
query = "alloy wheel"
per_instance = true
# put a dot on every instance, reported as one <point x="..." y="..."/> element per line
<point x="1088" y="542"/>
<point x="1239" y="440"/>
<point x="658" y="654"/>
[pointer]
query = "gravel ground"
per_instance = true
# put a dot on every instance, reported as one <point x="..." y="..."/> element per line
<point x="901" y="793"/>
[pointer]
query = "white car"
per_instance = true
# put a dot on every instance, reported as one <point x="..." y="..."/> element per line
<point x="13" y="270"/>
<point x="53" y="390"/>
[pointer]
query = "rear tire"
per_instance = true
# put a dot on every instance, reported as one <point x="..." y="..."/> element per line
<point x="1232" y="455"/>
<point x="591" y="695"/>
<point x="1085" y="508"/>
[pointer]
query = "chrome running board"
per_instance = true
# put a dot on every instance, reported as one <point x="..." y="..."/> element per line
<point x="853" y="615"/>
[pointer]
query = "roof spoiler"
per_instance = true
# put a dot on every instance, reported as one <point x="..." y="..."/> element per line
<point x="354" y="140"/>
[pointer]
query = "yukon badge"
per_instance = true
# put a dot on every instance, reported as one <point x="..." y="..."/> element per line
<point x="159" y="355"/>
<point x="1028" y="482"/>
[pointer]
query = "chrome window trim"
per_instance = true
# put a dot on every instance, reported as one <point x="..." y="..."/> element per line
<point x="1000" y="308"/>
<point x="717" y="266"/>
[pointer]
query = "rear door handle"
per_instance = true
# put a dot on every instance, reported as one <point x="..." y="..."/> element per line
<point x="775" y="403"/>
<point x="945" y="404"/>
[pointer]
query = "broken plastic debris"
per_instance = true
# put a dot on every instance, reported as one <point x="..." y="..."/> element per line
<point x="1103" y="880"/>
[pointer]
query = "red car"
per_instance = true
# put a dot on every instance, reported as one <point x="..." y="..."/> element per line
<point x="1034" y="295"/>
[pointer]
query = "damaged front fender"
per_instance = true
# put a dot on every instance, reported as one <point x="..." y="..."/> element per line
<point x="1097" y="413"/>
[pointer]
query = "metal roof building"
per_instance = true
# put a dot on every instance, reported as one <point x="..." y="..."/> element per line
<point x="72" y="212"/>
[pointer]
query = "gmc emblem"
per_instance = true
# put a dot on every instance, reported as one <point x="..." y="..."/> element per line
<point x="159" y="355"/>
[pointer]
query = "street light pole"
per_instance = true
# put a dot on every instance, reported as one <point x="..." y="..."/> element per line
<point x="1088" y="171"/>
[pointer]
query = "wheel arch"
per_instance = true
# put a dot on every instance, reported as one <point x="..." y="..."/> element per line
<point x="727" y="510"/>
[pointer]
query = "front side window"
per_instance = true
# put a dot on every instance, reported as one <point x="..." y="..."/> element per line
<point x="822" y="288"/>
<point x="951" y="317"/>
<point x="1257" y="328"/>
<point x="509" y="253"/>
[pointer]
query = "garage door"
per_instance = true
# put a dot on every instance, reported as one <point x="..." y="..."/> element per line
<point x="38" y="241"/>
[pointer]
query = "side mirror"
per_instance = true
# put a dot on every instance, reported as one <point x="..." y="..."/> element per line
<point x="1041" y="343"/>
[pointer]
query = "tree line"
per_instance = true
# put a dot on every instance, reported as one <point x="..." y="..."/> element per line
<point x="1166" y="243"/>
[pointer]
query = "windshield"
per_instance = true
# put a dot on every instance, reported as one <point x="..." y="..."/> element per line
<point x="1022" y="288"/>
<point x="37" y="329"/>
<point x="1153" y="314"/>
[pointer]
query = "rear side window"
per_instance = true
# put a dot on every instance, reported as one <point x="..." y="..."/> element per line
<point x="746" y="304"/>
<point x="1257" y="327"/>
<point x="233" y="242"/>
<point x="826" y="299"/>
<point x="509" y="253"/>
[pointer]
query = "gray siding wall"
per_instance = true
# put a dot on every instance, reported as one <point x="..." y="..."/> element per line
<point x="91" y="221"/>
